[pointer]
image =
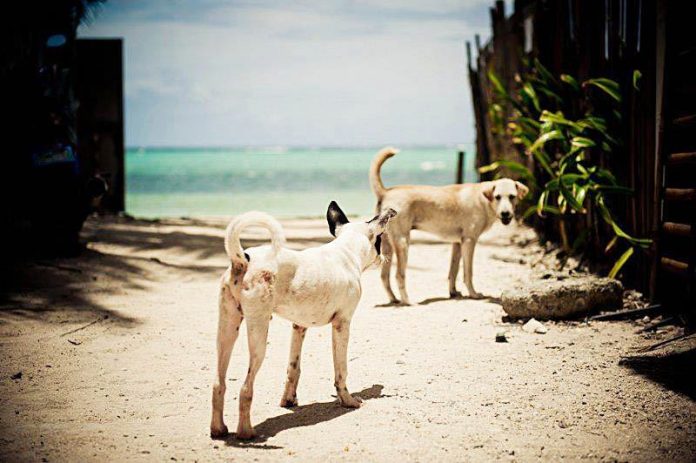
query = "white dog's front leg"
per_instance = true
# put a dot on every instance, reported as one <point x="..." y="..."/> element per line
<point x="340" y="335"/>
<point x="468" y="260"/>
<point x="290" y="395"/>
<point x="257" y="332"/>
<point x="454" y="269"/>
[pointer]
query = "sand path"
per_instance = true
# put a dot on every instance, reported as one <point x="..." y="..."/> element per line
<point x="134" y="384"/>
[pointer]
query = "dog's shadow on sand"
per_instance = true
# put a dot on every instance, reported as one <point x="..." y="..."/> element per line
<point x="304" y="415"/>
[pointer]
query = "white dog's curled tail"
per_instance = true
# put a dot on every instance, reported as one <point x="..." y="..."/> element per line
<point x="376" y="167"/>
<point x="233" y="246"/>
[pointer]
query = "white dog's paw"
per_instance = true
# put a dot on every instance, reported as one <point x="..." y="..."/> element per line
<point x="288" y="402"/>
<point x="349" y="401"/>
<point x="244" y="433"/>
<point x="475" y="295"/>
<point x="455" y="295"/>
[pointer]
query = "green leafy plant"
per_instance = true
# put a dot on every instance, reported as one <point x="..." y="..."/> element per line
<point x="564" y="125"/>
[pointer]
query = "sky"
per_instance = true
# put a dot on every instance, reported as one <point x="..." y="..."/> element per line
<point x="295" y="73"/>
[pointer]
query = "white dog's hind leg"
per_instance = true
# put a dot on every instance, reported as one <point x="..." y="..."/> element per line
<point x="468" y="260"/>
<point x="228" y="329"/>
<point x="257" y="332"/>
<point x="339" y="338"/>
<point x="401" y="248"/>
<point x="290" y="395"/>
<point x="455" y="262"/>
<point x="387" y="253"/>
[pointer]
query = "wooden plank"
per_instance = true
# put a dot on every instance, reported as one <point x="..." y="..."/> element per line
<point x="680" y="194"/>
<point x="682" y="158"/>
<point x="677" y="229"/>
<point x="674" y="266"/>
<point x="628" y="313"/>
<point x="656" y="324"/>
<point x="685" y="121"/>
<point x="662" y="344"/>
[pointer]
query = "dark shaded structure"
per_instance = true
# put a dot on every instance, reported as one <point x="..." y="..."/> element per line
<point x="52" y="177"/>
<point x="614" y="38"/>
<point x="99" y="91"/>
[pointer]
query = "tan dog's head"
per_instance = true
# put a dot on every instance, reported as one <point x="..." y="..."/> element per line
<point x="372" y="231"/>
<point x="503" y="195"/>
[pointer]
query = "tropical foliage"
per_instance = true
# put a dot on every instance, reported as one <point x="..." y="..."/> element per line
<point x="564" y="125"/>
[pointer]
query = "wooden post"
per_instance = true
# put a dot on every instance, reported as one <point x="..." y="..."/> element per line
<point x="468" y="55"/>
<point x="460" y="167"/>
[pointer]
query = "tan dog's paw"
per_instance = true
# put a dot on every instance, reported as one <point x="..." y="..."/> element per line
<point x="455" y="295"/>
<point x="350" y="401"/>
<point x="218" y="433"/>
<point x="475" y="295"/>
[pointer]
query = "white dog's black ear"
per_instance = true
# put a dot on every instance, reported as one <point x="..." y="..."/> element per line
<point x="335" y="217"/>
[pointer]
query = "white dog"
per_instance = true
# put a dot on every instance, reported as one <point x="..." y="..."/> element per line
<point x="456" y="213"/>
<point x="312" y="287"/>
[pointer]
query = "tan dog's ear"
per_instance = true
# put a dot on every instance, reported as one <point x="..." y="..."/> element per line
<point x="522" y="190"/>
<point x="488" y="191"/>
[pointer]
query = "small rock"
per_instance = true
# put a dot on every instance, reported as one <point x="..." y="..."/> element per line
<point x="501" y="336"/>
<point x="75" y="342"/>
<point x="534" y="326"/>
<point x="17" y="375"/>
<point x="645" y="320"/>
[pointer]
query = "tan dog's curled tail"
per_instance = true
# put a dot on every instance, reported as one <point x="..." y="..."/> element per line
<point x="233" y="246"/>
<point x="376" y="166"/>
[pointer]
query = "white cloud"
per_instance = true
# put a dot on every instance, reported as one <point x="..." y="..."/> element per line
<point x="345" y="73"/>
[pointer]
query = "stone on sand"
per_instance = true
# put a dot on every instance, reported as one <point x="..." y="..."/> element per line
<point x="559" y="296"/>
<point x="534" y="326"/>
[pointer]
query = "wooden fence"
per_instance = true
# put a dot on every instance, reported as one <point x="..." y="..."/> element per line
<point x="614" y="38"/>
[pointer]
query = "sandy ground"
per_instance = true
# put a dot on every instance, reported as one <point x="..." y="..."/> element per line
<point x="133" y="382"/>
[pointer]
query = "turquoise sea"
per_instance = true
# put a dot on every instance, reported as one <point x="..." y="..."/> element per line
<point x="286" y="182"/>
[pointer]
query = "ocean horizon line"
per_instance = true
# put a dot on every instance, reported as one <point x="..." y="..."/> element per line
<point x="289" y="147"/>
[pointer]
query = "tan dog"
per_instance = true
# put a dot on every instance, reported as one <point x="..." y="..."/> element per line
<point x="455" y="213"/>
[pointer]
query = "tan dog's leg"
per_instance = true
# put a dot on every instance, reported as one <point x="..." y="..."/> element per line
<point x="257" y="332"/>
<point x="455" y="262"/>
<point x="387" y="253"/>
<point x="290" y="395"/>
<point x="401" y="248"/>
<point x="468" y="260"/>
<point x="228" y="329"/>
<point x="339" y="338"/>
